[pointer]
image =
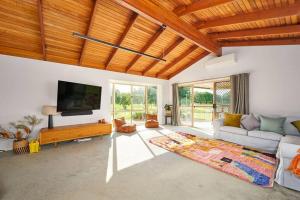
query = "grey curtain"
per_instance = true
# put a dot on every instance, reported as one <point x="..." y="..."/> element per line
<point x="175" y="107"/>
<point x="240" y="93"/>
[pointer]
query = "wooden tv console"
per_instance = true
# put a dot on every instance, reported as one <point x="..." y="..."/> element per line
<point x="65" y="133"/>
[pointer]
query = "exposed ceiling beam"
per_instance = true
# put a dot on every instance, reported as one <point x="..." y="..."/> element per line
<point x="196" y="59"/>
<point x="289" y="10"/>
<point x="160" y="15"/>
<point x="146" y="47"/>
<point x="257" y="32"/>
<point x="198" y="5"/>
<point x="163" y="55"/>
<point x="290" y="41"/>
<point x="177" y="60"/>
<point x="42" y="28"/>
<point x="88" y="31"/>
<point x="131" y="21"/>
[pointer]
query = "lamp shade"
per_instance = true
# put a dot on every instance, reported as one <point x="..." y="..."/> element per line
<point x="49" y="110"/>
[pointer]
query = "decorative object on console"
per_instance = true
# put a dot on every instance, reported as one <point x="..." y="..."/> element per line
<point x="296" y="124"/>
<point x="232" y="120"/>
<point x="23" y="129"/>
<point x="272" y="124"/>
<point x="151" y="121"/>
<point x="250" y="122"/>
<point x="102" y="121"/>
<point x="123" y="127"/>
<point x="49" y="111"/>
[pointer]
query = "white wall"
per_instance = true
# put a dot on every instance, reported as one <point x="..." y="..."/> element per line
<point x="274" y="76"/>
<point x="26" y="85"/>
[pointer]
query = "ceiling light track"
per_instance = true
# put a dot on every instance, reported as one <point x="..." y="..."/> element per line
<point x="116" y="46"/>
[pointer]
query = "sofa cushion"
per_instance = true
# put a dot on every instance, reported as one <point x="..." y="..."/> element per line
<point x="289" y="128"/>
<point x="265" y="135"/>
<point x="235" y="130"/>
<point x="296" y="124"/>
<point x="272" y="124"/>
<point x="232" y="119"/>
<point x="250" y="122"/>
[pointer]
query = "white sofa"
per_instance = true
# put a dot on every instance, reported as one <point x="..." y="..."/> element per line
<point x="287" y="150"/>
<point x="262" y="140"/>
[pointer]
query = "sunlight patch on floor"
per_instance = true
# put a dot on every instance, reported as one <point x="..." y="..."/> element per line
<point x="128" y="150"/>
<point x="131" y="150"/>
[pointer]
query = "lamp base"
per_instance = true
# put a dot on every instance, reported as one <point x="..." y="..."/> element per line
<point x="50" y="121"/>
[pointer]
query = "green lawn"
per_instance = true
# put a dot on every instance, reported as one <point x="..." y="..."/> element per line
<point x="138" y="111"/>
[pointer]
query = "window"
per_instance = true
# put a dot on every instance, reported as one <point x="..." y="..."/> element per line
<point x="134" y="101"/>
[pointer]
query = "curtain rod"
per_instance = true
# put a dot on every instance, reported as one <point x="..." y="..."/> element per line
<point x="115" y="46"/>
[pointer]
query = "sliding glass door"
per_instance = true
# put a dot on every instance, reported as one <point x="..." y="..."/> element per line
<point x="222" y="98"/>
<point x="202" y="102"/>
<point x="122" y="101"/>
<point x="185" y="105"/>
<point x="138" y="104"/>
<point x="203" y="106"/>
<point x="134" y="101"/>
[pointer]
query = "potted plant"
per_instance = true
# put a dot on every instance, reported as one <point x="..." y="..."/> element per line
<point x="168" y="109"/>
<point x="23" y="129"/>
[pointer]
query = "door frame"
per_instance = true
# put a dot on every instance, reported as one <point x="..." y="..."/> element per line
<point x="131" y="87"/>
<point x="192" y="86"/>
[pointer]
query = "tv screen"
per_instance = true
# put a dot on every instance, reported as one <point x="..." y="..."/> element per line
<point x="77" y="97"/>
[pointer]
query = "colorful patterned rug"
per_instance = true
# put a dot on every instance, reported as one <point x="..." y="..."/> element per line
<point x="246" y="164"/>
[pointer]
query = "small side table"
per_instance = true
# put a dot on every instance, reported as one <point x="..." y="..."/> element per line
<point x="166" y="119"/>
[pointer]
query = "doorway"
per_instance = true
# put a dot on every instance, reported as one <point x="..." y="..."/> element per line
<point x="204" y="101"/>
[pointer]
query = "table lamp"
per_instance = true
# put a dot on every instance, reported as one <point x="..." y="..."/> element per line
<point x="49" y="111"/>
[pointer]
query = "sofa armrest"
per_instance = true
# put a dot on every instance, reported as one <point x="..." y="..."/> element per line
<point x="288" y="146"/>
<point x="217" y="124"/>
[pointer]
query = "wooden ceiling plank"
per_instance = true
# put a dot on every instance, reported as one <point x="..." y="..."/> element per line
<point x="163" y="55"/>
<point x="198" y="5"/>
<point x="88" y="31"/>
<point x="146" y="47"/>
<point x="177" y="60"/>
<point x="289" y="10"/>
<point x="131" y="21"/>
<point x="161" y="16"/>
<point x="42" y="28"/>
<point x="257" y="32"/>
<point x="289" y="41"/>
<point x="193" y="61"/>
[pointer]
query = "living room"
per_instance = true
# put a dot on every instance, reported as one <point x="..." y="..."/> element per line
<point x="168" y="111"/>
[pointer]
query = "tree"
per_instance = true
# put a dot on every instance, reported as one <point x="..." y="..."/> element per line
<point x="152" y="91"/>
<point x="125" y="100"/>
<point x="184" y="95"/>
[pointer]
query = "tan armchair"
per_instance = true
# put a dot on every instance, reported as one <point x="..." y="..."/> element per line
<point x="151" y="121"/>
<point x="123" y="127"/>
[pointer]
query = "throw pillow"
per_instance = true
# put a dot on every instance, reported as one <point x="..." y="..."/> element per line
<point x="232" y="119"/>
<point x="272" y="124"/>
<point x="249" y="122"/>
<point x="297" y="125"/>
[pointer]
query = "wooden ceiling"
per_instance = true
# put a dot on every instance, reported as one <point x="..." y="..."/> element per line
<point x="179" y="31"/>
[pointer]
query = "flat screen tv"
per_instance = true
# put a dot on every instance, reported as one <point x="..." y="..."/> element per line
<point x="73" y="97"/>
